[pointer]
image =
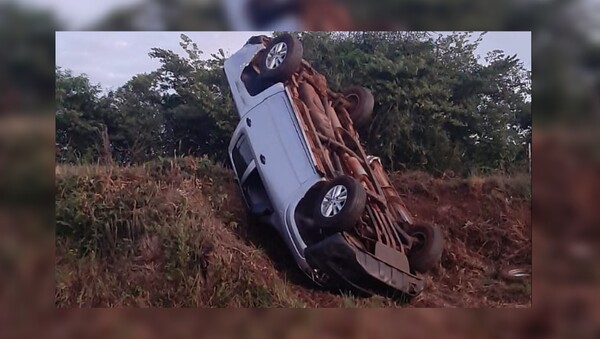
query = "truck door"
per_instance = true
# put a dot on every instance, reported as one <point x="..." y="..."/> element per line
<point x="279" y="146"/>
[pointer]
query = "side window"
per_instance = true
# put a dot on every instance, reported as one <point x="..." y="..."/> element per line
<point x="254" y="83"/>
<point x="242" y="155"/>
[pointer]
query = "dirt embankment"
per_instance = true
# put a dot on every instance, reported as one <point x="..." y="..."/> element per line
<point x="487" y="226"/>
<point x="174" y="233"/>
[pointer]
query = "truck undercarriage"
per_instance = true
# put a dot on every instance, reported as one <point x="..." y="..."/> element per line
<point x="377" y="242"/>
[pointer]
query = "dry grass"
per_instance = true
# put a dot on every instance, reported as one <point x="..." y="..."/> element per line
<point x="154" y="236"/>
<point x="173" y="233"/>
<point x="487" y="226"/>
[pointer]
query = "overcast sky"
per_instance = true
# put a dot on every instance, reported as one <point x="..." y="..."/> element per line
<point x="112" y="58"/>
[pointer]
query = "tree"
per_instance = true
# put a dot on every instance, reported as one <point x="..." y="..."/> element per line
<point x="79" y="122"/>
<point x="197" y="107"/>
<point x="437" y="107"/>
<point x="136" y="125"/>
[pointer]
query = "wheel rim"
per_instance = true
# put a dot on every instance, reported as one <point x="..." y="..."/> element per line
<point x="276" y="55"/>
<point x="334" y="201"/>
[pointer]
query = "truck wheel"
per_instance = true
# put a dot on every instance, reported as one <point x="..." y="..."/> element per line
<point x="257" y="40"/>
<point x="427" y="248"/>
<point x="281" y="58"/>
<point x="339" y="205"/>
<point x="361" y="105"/>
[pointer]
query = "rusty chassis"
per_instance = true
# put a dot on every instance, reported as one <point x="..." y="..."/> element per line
<point x="334" y="142"/>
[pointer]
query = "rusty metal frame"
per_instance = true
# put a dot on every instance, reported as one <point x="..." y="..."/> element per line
<point x="343" y="153"/>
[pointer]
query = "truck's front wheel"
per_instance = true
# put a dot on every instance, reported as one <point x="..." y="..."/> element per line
<point x="339" y="205"/>
<point x="281" y="58"/>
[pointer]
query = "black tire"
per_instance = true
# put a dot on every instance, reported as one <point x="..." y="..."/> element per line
<point x="351" y="211"/>
<point x="427" y="250"/>
<point x="290" y="63"/>
<point x="362" y="103"/>
<point x="257" y="40"/>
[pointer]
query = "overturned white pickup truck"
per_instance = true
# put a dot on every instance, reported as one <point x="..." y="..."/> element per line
<point x="302" y="169"/>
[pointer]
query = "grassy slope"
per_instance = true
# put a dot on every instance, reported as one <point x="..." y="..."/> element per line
<point x="174" y="233"/>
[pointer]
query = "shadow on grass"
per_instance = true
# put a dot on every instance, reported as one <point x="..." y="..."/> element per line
<point x="264" y="236"/>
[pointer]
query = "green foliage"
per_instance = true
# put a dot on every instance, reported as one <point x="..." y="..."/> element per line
<point x="197" y="108"/>
<point x="78" y="119"/>
<point x="437" y="107"/>
<point x="135" y="129"/>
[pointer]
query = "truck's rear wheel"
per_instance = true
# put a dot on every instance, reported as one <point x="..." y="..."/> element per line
<point x="339" y="205"/>
<point x="281" y="58"/>
<point x="361" y="105"/>
<point x="427" y="248"/>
